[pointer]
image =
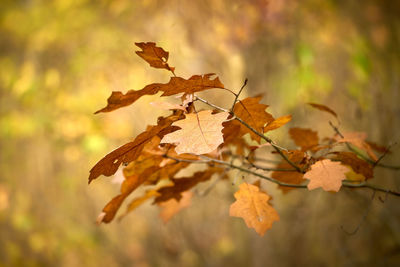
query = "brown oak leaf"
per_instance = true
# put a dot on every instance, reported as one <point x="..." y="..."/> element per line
<point x="277" y="123"/>
<point x="323" y="108"/>
<point x="358" y="165"/>
<point x="290" y="177"/>
<point x="129" y="152"/>
<point x="167" y="105"/>
<point x="200" y="133"/>
<point x="176" y="85"/>
<point x="136" y="202"/>
<point x="172" y="206"/>
<point x="253" y="113"/>
<point x="326" y="174"/>
<point x="357" y="139"/>
<point x="252" y="205"/>
<point x="304" y="138"/>
<point x="183" y="184"/>
<point x="155" y="56"/>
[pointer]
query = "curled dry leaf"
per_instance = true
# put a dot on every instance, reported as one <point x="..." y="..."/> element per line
<point x="326" y="174"/>
<point x="172" y="206"/>
<point x="304" y="138"/>
<point x="200" y="133"/>
<point x="176" y="85"/>
<point x="129" y="152"/>
<point x="136" y="202"/>
<point x="155" y="56"/>
<point x="252" y="205"/>
<point x="277" y="123"/>
<point x="357" y="139"/>
<point x="323" y="108"/>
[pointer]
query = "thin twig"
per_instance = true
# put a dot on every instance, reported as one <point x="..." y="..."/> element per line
<point x="345" y="183"/>
<point x="383" y="155"/>
<point x="237" y="95"/>
<point x="363" y="156"/>
<point x="363" y="217"/>
<point x="275" y="146"/>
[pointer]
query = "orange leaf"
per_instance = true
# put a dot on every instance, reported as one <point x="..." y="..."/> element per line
<point x="291" y="177"/>
<point x="172" y="206"/>
<point x="129" y="152"/>
<point x="358" y="165"/>
<point x="176" y="85"/>
<point x="252" y="205"/>
<point x="136" y="202"/>
<point x="200" y="133"/>
<point x="184" y="184"/>
<point x="253" y="113"/>
<point x="277" y="123"/>
<point x="304" y="138"/>
<point x="323" y="108"/>
<point x="357" y="139"/>
<point x="167" y="105"/>
<point x="326" y="174"/>
<point x="155" y="56"/>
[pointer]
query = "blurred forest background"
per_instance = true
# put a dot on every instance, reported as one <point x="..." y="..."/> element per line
<point x="60" y="60"/>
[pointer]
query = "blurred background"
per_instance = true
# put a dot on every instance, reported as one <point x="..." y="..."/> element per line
<point x="60" y="60"/>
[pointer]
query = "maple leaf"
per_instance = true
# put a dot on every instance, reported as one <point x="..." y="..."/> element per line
<point x="172" y="206"/>
<point x="155" y="56"/>
<point x="129" y="152"/>
<point x="200" y="133"/>
<point x="176" y="85"/>
<point x="358" y="165"/>
<point x="277" y="123"/>
<point x="323" y="108"/>
<point x="326" y="174"/>
<point x="252" y="205"/>
<point x="304" y="138"/>
<point x="290" y="177"/>
<point x="253" y="113"/>
<point x="357" y="139"/>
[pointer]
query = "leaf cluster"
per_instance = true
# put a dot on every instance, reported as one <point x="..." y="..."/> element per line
<point x="222" y="139"/>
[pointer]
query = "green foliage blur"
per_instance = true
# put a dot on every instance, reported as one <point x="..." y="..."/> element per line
<point x="60" y="60"/>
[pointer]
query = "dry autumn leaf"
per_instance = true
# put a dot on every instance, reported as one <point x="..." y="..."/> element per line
<point x="323" y="108"/>
<point x="277" y="123"/>
<point x="253" y="113"/>
<point x="183" y="184"/>
<point x="136" y="202"/>
<point x="290" y="177"/>
<point x="167" y="105"/>
<point x="252" y="205"/>
<point x="304" y="138"/>
<point x="326" y="174"/>
<point x="358" y="165"/>
<point x="200" y="133"/>
<point x="129" y="152"/>
<point x="172" y="206"/>
<point x="357" y="139"/>
<point x="155" y="56"/>
<point x="176" y="85"/>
